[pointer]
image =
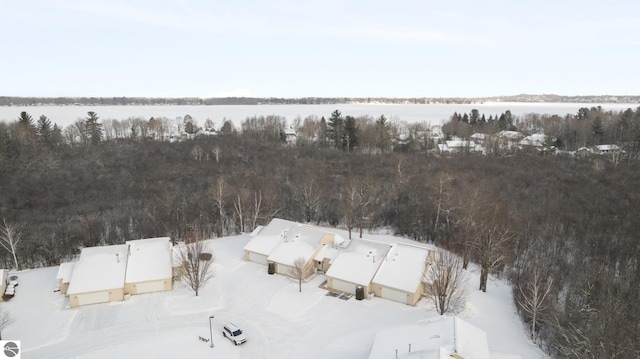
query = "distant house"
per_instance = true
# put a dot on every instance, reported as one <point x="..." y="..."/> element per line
<point x="356" y="266"/>
<point x="608" y="149"/>
<point x="436" y="132"/>
<point x="479" y="138"/>
<point x="455" y="146"/>
<point x="64" y="276"/>
<point x="99" y="275"/>
<point x="508" y="139"/>
<point x="584" y="152"/>
<point x="401" y="275"/>
<point x="290" y="136"/>
<point x="149" y="267"/>
<point x="435" y="338"/>
<point x="536" y="140"/>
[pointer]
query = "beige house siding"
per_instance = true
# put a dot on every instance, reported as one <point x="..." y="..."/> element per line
<point x="114" y="295"/>
<point x="255" y="257"/>
<point x="64" y="286"/>
<point x="132" y="288"/>
<point x="331" y="285"/>
<point x="310" y="266"/>
<point x="328" y="238"/>
<point x="412" y="297"/>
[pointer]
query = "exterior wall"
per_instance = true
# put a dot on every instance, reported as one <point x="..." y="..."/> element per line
<point x="326" y="264"/>
<point x="283" y="269"/>
<point x="255" y="257"/>
<point x="131" y="288"/>
<point x="115" y="295"/>
<point x="412" y="298"/>
<point x="63" y="286"/>
<point x="332" y="285"/>
<point x="328" y="239"/>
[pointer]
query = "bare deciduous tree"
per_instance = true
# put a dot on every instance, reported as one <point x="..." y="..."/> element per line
<point x="300" y="271"/>
<point x="5" y="320"/>
<point x="368" y="206"/>
<point x="216" y="150"/>
<point x="197" y="153"/>
<point x="490" y="246"/>
<point x="486" y="233"/>
<point x="448" y="281"/>
<point x="308" y="193"/>
<point x="9" y="239"/>
<point x="195" y="265"/>
<point x="240" y="205"/>
<point x="349" y="204"/>
<point x="442" y="188"/>
<point x="534" y="298"/>
<point x="218" y="194"/>
<point x="257" y="208"/>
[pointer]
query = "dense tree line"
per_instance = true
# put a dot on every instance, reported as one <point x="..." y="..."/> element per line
<point x="567" y="227"/>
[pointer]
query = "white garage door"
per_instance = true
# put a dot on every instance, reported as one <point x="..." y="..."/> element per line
<point x="344" y="286"/>
<point x="283" y="269"/>
<point x="148" y="287"/>
<point x="93" y="298"/>
<point x="258" y="258"/>
<point x="395" y="295"/>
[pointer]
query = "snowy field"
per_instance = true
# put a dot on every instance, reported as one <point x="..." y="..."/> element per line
<point x="279" y="321"/>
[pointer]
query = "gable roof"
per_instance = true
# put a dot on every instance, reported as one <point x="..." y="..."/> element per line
<point x="358" y="262"/>
<point x="269" y="237"/>
<point x="436" y="338"/>
<point x="403" y="267"/>
<point x="300" y="241"/>
<point x="99" y="268"/>
<point x="149" y="259"/>
<point x="536" y="140"/>
<point x="64" y="271"/>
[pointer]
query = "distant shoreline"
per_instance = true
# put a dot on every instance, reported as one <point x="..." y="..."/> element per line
<point x="195" y="101"/>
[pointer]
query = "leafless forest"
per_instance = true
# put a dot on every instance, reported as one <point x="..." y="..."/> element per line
<point x="564" y="231"/>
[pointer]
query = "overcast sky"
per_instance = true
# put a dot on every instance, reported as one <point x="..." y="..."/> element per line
<point x="297" y="48"/>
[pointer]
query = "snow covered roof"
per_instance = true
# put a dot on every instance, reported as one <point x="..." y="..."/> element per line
<point x="256" y="231"/>
<point x="402" y="268"/>
<point x="328" y="251"/>
<point x="436" y="338"/>
<point x="65" y="271"/>
<point x="511" y="135"/>
<point x="479" y="136"/>
<point x="99" y="268"/>
<point x="270" y="236"/>
<point x="149" y="259"/>
<point x="605" y="148"/>
<point x="300" y="241"/>
<point x="537" y="140"/>
<point x="359" y="262"/>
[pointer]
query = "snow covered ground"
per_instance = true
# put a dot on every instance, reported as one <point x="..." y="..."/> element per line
<point x="279" y="321"/>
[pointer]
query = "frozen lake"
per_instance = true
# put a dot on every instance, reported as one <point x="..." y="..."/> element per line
<point x="434" y="114"/>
